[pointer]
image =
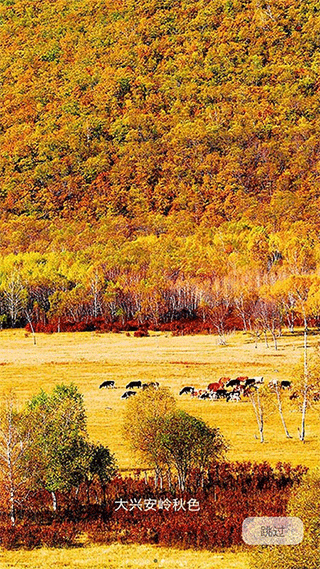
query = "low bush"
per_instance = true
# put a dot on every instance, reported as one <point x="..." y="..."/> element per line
<point x="30" y="536"/>
<point x="141" y="333"/>
<point x="229" y="493"/>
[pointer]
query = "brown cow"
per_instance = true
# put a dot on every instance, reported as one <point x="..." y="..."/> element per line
<point x="218" y="385"/>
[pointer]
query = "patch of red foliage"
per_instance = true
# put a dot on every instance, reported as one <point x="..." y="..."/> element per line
<point x="183" y="326"/>
<point x="227" y="493"/>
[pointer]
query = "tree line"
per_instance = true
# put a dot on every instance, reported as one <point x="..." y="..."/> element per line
<point x="235" y="276"/>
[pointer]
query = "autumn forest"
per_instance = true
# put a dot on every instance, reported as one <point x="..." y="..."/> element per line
<point x="159" y="165"/>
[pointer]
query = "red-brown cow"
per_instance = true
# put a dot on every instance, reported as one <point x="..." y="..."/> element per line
<point x="218" y="385"/>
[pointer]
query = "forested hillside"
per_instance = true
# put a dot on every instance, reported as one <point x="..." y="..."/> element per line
<point x="158" y="159"/>
<point x="210" y="106"/>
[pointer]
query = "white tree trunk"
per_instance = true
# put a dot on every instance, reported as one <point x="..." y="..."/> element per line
<point x="281" y="412"/>
<point x="305" y="387"/>
<point x="54" y="501"/>
<point x="31" y="326"/>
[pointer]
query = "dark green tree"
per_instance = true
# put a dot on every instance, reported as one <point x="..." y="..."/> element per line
<point x="190" y="443"/>
<point x="101" y="467"/>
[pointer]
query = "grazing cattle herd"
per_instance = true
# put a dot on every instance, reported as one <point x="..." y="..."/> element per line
<point x="226" y="388"/>
<point x="130" y="387"/>
<point x="231" y="389"/>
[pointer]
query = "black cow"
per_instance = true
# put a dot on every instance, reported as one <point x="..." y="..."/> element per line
<point x="188" y="389"/>
<point x="250" y="382"/>
<point x="204" y="395"/>
<point x="134" y="384"/>
<point x="221" y="393"/>
<point x="285" y="384"/>
<point x="108" y="383"/>
<point x="127" y="394"/>
<point x="233" y="383"/>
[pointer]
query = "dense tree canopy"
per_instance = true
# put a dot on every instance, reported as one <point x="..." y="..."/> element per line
<point x="153" y="272"/>
<point x="209" y="106"/>
<point x="168" y="438"/>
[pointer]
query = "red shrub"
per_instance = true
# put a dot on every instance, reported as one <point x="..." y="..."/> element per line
<point x="140" y="333"/>
<point x="32" y="535"/>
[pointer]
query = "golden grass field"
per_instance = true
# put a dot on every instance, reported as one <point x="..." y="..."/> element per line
<point x="117" y="556"/>
<point x="88" y="358"/>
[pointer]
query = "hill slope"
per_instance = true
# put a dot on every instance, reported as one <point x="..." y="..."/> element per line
<point x="208" y="106"/>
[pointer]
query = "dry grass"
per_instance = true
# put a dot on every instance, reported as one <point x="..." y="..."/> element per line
<point x="87" y="359"/>
<point x="118" y="556"/>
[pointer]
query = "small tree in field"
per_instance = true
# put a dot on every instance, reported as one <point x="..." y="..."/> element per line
<point x="144" y="419"/>
<point x="168" y="438"/>
<point x="58" y="454"/>
<point x="188" y="442"/>
<point x="301" y="289"/>
<point x="262" y="404"/>
<point x="279" y="395"/>
<point x="306" y="389"/>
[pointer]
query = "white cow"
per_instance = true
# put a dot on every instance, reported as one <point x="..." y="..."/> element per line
<point x="258" y="380"/>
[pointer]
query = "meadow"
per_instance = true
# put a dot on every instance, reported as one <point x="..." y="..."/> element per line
<point x="89" y="358"/>
<point x="118" y="556"/>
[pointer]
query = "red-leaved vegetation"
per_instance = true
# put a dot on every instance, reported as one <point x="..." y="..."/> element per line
<point x="225" y="495"/>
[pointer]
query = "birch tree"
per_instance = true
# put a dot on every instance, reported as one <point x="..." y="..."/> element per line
<point x="15" y="297"/>
<point x="277" y="389"/>
<point x="300" y="286"/>
<point x="262" y="406"/>
<point x="307" y="390"/>
<point x="14" y="443"/>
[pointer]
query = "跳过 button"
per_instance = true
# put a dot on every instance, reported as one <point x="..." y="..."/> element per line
<point x="272" y="531"/>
